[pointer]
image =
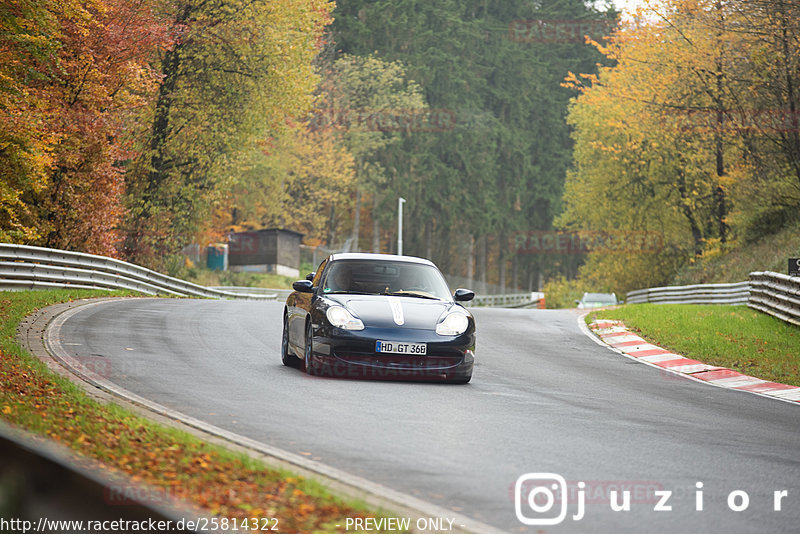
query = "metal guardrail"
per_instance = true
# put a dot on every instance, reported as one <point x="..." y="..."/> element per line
<point x="25" y="267"/>
<point x="504" y="301"/>
<point x="773" y="293"/>
<point x="776" y="294"/>
<point x="46" y="488"/>
<point x="498" y="301"/>
<point x="735" y="294"/>
<point x="278" y="294"/>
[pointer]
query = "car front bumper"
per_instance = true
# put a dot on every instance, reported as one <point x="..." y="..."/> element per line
<point x="351" y="354"/>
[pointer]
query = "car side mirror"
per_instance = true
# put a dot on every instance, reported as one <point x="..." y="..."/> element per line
<point x="303" y="286"/>
<point x="577" y="301"/>
<point x="310" y="276"/>
<point x="463" y="295"/>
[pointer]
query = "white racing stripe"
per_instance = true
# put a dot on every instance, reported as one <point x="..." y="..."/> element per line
<point x="397" y="310"/>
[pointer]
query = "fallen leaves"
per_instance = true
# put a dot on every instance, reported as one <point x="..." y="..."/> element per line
<point x="174" y="465"/>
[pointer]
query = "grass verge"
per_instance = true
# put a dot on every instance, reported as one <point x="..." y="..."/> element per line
<point x="735" y="337"/>
<point x="213" y="478"/>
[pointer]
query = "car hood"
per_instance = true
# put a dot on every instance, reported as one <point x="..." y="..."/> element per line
<point x="383" y="311"/>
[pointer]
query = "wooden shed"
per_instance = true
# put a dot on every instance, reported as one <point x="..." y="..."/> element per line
<point x="274" y="250"/>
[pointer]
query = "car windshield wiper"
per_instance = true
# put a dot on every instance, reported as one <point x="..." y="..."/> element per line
<point x="350" y="293"/>
<point x="411" y="294"/>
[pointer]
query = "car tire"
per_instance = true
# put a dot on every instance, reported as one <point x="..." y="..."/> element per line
<point x="289" y="360"/>
<point x="308" y="365"/>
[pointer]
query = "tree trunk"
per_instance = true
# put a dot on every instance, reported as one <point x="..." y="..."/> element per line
<point x="501" y="258"/>
<point x="139" y="246"/>
<point x="332" y="227"/>
<point x="697" y="234"/>
<point x="793" y="136"/>
<point x="471" y="260"/>
<point x="483" y="263"/>
<point x="429" y="240"/>
<point x="376" y="230"/>
<point x="515" y="273"/>
<point x="356" y="221"/>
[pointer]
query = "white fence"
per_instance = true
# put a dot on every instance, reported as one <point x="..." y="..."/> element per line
<point x="24" y="267"/>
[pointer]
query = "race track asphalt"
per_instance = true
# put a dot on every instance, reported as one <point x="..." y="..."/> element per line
<point x="544" y="399"/>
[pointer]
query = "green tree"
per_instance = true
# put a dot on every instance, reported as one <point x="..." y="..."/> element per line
<point x="368" y="103"/>
<point x="240" y="71"/>
<point x="499" y="166"/>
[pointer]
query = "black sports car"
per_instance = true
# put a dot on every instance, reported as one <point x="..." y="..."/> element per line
<point x="379" y="316"/>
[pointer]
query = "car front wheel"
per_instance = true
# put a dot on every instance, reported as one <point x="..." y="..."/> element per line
<point x="288" y="359"/>
<point x="308" y="364"/>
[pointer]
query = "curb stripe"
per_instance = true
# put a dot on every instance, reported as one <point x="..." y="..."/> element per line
<point x="616" y="336"/>
<point x="647" y="352"/>
<point x="631" y="343"/>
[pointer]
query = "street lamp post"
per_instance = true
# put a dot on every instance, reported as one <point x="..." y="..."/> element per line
<point x="400" y="202"/>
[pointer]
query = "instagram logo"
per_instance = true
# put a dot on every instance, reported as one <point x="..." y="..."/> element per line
<point x="540" y="494"/>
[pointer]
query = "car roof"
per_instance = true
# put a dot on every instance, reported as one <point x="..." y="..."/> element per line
<point x="378" y="257"/>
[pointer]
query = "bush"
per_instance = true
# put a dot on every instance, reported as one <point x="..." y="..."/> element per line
<point x="562" y="293"/>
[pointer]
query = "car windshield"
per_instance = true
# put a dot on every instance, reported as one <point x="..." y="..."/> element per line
<point x="385" y="278"/>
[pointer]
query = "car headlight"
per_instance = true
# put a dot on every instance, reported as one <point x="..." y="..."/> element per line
<point x="341" y="318"/>
<point x="453" y="324"/>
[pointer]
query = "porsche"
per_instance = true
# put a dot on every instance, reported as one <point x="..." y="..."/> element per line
<point x="379" y="316"/>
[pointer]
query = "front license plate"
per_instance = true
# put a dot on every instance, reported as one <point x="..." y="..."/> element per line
<point x="395" y="347"/>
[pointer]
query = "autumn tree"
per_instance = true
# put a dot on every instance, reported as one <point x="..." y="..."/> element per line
<point x="679" y="136"/>
<point x="74" y="76"/>
<point x="240" y="71"/>
<point x="303" y="181"/>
